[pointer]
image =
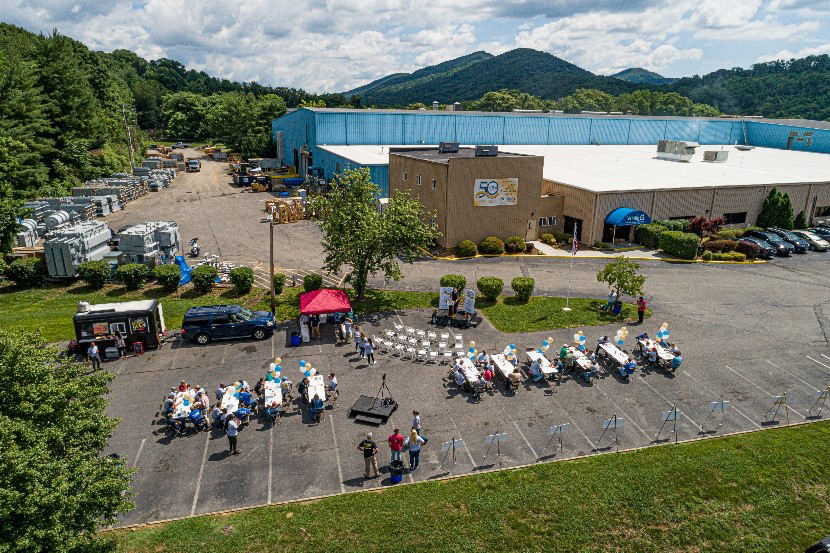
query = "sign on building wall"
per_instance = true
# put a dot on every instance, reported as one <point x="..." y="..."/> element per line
<point x="492" y="192"/>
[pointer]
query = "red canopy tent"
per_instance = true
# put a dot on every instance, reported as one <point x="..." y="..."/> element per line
<point x="318" y="302"/>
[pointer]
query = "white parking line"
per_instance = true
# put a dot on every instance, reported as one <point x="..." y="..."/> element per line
<point x="519" y="430"/>
<point x="819" y="362"/>
<point x="137" y="455"/>
<point x="766" y="392"/>
<point x="667" y="401"/>
<point x="573" y="422"/>
<point x="810" y="386"/>
<point x="741" y="413"/>
<point x="270" y="460"/>
<point x="621" y="412"/>
<point x="199" y="479"/>
<point x="337" y="455"/>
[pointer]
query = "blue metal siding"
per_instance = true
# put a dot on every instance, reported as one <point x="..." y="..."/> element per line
<point x="715" y="132"/>
<point x="330" y="162"/>
<point x="479" y="130"/>
<point x="682" y="130"/>
<point x="430" y="129"/>
<point x="569" y="131"/>
<point x="646" y="131"/>
<point x="771" y="135"/>
<point x="331" y="128"/>
<point x="610" y="131"/>
<point x="296" y="126"/>
<point x="525" y="130"/>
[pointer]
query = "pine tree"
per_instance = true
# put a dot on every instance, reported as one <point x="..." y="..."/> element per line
<point x="800" y="221"/>
<point x="766" y="217"/>
<point x="785" y="212"/>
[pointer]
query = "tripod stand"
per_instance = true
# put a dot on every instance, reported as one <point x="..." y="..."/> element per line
<point x="383" y="391"/>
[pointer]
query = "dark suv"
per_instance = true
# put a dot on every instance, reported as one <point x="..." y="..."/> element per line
<point x="773" y="240"/>
<point x="220" y="322"/>
<point x="800" y="245"/>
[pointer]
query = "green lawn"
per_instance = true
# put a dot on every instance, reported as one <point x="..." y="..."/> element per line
<point x="545" y="313"/>
<point x="760" y="492"/>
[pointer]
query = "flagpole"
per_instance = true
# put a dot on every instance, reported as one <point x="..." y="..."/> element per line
<point x="571" y="270"/>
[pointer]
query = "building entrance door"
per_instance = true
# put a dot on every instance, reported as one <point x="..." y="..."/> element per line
<point x="531" y="229"/>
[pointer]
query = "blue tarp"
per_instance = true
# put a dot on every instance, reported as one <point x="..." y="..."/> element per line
<point x="624" y="216"/>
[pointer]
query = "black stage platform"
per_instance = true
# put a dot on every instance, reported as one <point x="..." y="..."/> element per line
<point x="372" y="410"/>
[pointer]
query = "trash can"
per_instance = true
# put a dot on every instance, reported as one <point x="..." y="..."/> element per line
<point x="617" y="307"/>
<point x="396" y="471"/>
<point x="295" y="339"/>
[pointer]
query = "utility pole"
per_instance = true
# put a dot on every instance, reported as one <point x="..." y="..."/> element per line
<point x="129" y="135"/>
<point x="273" y="291"/>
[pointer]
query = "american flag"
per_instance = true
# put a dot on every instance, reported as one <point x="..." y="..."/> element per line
<point x="575" y="247"/>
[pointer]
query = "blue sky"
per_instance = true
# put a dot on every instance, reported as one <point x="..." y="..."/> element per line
<point x="335" y="45"/>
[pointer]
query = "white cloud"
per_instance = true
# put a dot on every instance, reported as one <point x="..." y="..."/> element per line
<point x="762" y="30"/>
<point x="804" y="52"/>
<point x="719" y="14"/>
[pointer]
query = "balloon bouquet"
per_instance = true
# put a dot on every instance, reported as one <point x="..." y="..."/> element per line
<point x="274" y="370"/>
<point x="579" y="340"/>
<point x="663" y="333"/>
<point x="622" y="334"/>
<point x="510" y="353"/>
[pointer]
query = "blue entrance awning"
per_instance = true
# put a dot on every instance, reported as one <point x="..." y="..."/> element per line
<point x="624" y="216"/>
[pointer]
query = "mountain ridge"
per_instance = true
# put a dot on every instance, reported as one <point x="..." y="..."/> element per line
<point x="638" y="75"/>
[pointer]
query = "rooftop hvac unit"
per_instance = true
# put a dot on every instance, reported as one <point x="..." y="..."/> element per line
<point x="676" y="150"/>
<point x="448" y="147"/>
<point x="715" y="156"/>
<point x="487" y="151"/>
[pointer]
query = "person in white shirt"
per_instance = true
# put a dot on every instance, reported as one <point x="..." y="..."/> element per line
<point x="416" y="421"/>
<point x="220" y="391"/>
<point x="232" y="430"/>
<point x="459" y="378"/>
<point x="483" y="359"/>
<point x="332" y="385"/>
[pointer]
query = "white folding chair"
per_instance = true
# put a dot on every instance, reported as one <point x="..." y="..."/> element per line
<point x="412" y="341"/>
<point x="425" y="344"/>
<point x="421" y="334"/>
<point x="390" y="334"/>
<point x="442" y="346"/>
<point x="402" y="338"/>
<point x="445" y="336"/>
<point x="422" y="355"/>
<point x="446" y="356"/>
<point x="410" y="352"/>
<point x="398" y="328"/>
<point x="410" y="331"/>
<point x="399" y="350"/>
<point x="431" y="336"/>
<point x="433" y="356"/>
<point x="460" y="354"/>
<point x="459" y="344"/>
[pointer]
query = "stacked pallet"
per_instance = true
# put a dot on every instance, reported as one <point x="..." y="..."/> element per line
<point x="285" y="210"/>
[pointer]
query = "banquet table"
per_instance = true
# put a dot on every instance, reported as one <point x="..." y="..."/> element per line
<point x="230" y="399"/>
<point x="504" y="366"/>
<point x="273" y="393"/>
<point x="582" y="360"/>
<point x="471" y="373"/>
<point x="662" y="352"/>
<point x="545" y="365"/>
<point x="615" y="353"/>
<point x="316" y="387"/>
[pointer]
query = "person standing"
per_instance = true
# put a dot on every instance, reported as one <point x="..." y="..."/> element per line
<point x="641" y="310"/>
<point x="369" y="349"/>
<point x="232" y="429"/>
<point x="414" y="443"/>
<point x="361" y="344"/>
<point x="611" y="298"/>
<point x="416" y="421"/>
<point x="370" y="451"/>
<point x="120" y="344"/>
<point x="315" y="327"/>
<point x="357" y="338"/>
<point x="395" y="441"/>
<point x="93" y="356"/>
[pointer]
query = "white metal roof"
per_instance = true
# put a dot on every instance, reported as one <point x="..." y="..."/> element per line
<point x="122" y="307"/>
<point x="368" y="154"/>
<point x="628" y="168"/>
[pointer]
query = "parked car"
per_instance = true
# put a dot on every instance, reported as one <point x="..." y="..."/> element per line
<point x="766" y="250"/>
<point x="817" y="243"/>
<point x="774" y="240"/>
<point x="821" y="232"/>
<point x="220" y="322"/>
<point x="180" y="145"/>
<point x="800" y="245"/>
<point x="193" y="166"/>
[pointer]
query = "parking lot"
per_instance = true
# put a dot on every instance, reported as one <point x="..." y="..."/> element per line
<point x="747" y="333"/>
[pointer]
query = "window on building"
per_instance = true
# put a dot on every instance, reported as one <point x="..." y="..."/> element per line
<point x="418" y="180"/>
<point x="547" y="221"/>
<point x="434" y="185"/>
<point x="822" y="211"/>
<point x="735" y="218"/>
<point x="405" y="175"/>
<point x="681" y="218"/>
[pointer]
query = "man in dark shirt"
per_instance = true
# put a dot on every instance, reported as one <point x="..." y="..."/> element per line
<point x="302" y="387"/>
<point x="370" y="451"/>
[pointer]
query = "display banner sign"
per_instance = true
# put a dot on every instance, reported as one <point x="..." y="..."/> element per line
<point x="445" y="297"/>
<point x="493" y="192"/>
<point x="469" y="300"/>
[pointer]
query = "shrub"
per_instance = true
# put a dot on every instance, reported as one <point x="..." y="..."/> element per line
<point x="649" y="235"/>
<point x="490" y="287"/>
<point x="133" y="275"/>
<point x="602" y="245"/>
<point x="729" y="256"/>
<point x="707" y="256"/>
<point x="4" y="267"/>
<point x="242" y="279"/>
<point x="682" y="245"/>
<point x="94" y="273"/>
<point x="454" y="281"/>
<point x="491" y="246"/>
<point x="548" y="238"/>
<point x="518" y="243"/>
<point x="203" y="278"/>
<point x="529" y="247"/>
<point x="720" y="246"/>
<point x="751" y="251"/>
<point x="466" y="248"/>
<point x="677" y="224"/>
<point x="312" y="282"/>
<point x="27" y="272"/>
<point x="727" y="234"/>
<point x="563" y="237"/>
<point x="168" y="276"/>
<point x="800" y="220"/>
<point x="279" y="283"/>
<point x="511" y="248"/>
<point x="523" y="286"/>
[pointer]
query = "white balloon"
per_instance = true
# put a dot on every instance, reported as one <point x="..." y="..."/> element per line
<point x="272" y="366"/>
<point x="313" y="371"/>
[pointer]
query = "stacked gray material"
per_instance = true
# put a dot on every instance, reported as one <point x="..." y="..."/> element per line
<point x="104" y="205"/>
<point x="69" y="246"/>
<point x="141" y="171"/>
<point x="178" y="156"/>
<point x="152" y="162"/>
<point x="38" y="209"/>
<point x="265" y="162"/>
<point x="28" y="235"/>
<point x="169" y="163"/>
<point x="145" y="241"/>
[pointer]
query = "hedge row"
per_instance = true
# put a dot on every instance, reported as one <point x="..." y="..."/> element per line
<point x="649" y="235"/>
<point x="727" y="256"/>
<point x="682" y="245"/>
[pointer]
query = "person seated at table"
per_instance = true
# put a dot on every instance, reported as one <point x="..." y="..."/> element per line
<point x="641" y="339"/>
<point x="663" y="343"/>
<point x="515" y="378"/>
<point x="245" y="397"/>
<point x="536" y="371"/>
<point x="287" y="386"/>
<point x="591" y="356"/>
<point x="169" y="401"/>
<point x="563" y="351"/>
<point x="487" y="376"/>
<point x="216" y="415"/>
<point x="627" y="369"/>
<point x="459" y="377"/>
<point x="559" y="366"/>
<point x="652" y="356"/>
<point x="316" y="406"/>
<point x="302" y="387"/>
<point x="570" y="358"/>
<point x="674" y="349"/>
<point x="174" y="424"/>
<point x="587" y="371"/>
<point x="483" y="359"/>
<point x="220" y="391"/>
<point x="183" y="386"/>
<point x="676" y="361"/>
<point x="602" y="340"/>
<point x="259" y="387"/>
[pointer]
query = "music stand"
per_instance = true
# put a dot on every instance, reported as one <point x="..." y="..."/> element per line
<point x="612" y="424"/>
<point x="497" y="439"/>
<point x="555" y="431"/>
<point x="452" y="445"/>
<point x="669" y="416"/>
<point x="821" y="398"/>
<point x="777" y="403"/>
<point x="719" y="406"/>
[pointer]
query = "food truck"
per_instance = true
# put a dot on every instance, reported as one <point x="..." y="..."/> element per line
<point x="139" y="322"/>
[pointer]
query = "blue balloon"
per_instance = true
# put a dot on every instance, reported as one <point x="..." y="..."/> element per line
<point x="666" y="334"/>
<point x="544" y="342"/>
<point x="540" y="350"/>
<point x="512" y="346"/>
<point x="581" y="347"/>
<point x="582" y="338"/>
<point x="302" y="363"/>
<point x="619" y="342"/>
<point x="278" y="368"/>
<point x="472" y="349"/>
<point x="307" y="374"/>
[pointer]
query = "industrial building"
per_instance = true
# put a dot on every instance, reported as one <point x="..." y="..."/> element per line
<point x="605" y="168"/>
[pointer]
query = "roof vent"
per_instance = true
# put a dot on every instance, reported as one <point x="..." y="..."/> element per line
<point x="715" y="156"/>
<point x="487" y="151"/>
<point x="83" y="306"/>
<point x="448" y="147"/>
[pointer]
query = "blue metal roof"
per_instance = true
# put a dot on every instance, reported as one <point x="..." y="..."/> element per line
<point x="625" y="216"/>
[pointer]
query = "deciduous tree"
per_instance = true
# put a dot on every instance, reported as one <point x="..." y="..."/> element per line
<point x="624" y="276"/>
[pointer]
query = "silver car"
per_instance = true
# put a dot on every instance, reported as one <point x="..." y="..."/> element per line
<point x="817" y="243"/>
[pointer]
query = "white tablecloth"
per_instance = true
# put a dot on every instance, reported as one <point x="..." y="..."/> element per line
<point x="273" y="392"/>
<point x="504" y="366"/>
<point x="316" y="387"/>
<point x="470" y="371"/>
<point x="615" y="353"/>
<point x="547" y="368"/>
<point x="662" y="352"/>
<point x="229" y="400"/>
<point x="581" y="359"/>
